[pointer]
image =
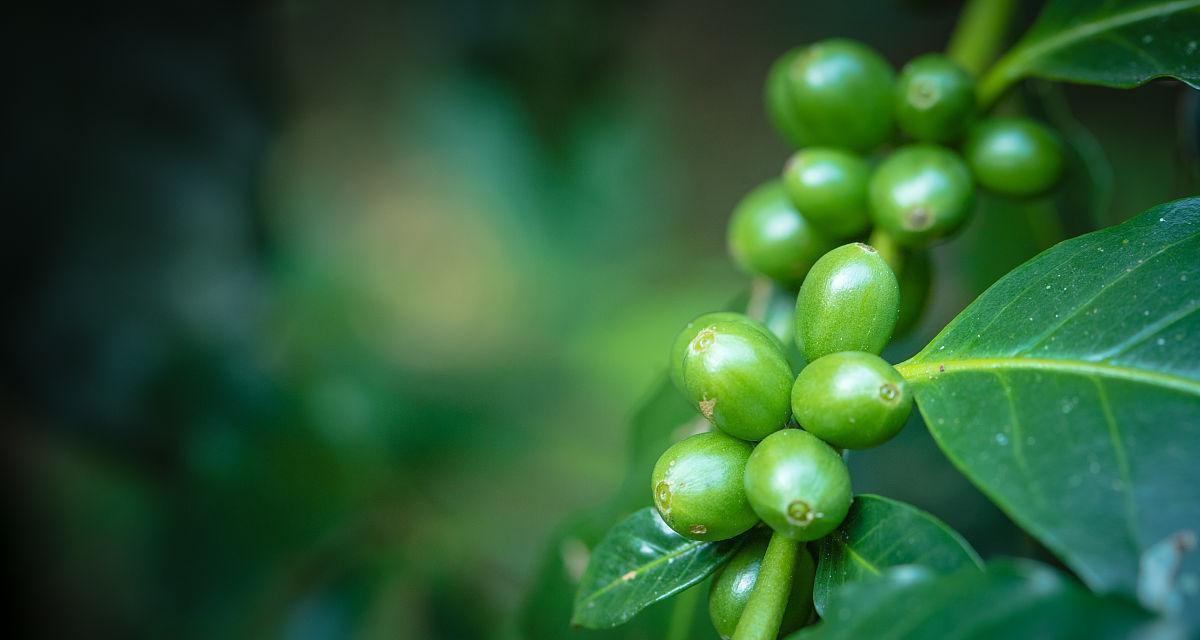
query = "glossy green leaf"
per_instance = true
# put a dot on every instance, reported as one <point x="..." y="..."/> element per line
<point x="1115" y="43"/>
<point x="1069" y="392"/>
<point x="1011" y="599"/>
<point x="880" y="533"/>
<point x="640" y="562"/>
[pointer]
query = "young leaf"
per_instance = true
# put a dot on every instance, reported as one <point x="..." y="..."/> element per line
<point x="880" y="533"/>
<point x="640" y="562"/>
<point x="1011" y="599"/>
<point x="1069" y="393"/>
<point x="1119" y="43"/>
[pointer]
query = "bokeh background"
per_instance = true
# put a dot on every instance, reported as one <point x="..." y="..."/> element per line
<point x="321" y="318"/>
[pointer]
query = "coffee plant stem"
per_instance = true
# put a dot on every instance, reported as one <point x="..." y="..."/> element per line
<point x="768" y="600"/>
<point x="980" y="33"/>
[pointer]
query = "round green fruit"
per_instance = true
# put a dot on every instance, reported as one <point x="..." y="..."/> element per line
<point x="829" y="188"/>
<point x="731" y="587"/>
<point x="798" y="485"/>
<point x="738" y="379"/>
<point x="777" y="96"/>
<point x="841" y="95"/>
<point x="1014" y="156"/>
<point x="698" y="487"/>
<point x="935" y="99"/>
<point x="685" y="336"/>
<point x="852" y="400"/>
<point x="849" y="302"/>
<point x="769" y="237"/>
<point x="921" y="193"/>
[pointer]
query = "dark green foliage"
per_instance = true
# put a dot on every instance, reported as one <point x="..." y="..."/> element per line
<point x="639" y="562"/>
<point x="1069" y="392"/>
<point x="879" y="534"/>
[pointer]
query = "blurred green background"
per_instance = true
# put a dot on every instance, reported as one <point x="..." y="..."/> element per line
<point x="320" y="317"/>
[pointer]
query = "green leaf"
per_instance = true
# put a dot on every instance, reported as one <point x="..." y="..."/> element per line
<point x="880" y="533"/>
<point x="1117" y="43"/>
<point x="1069" y="393"/>
<point x="640" y="562"/>
<point x="1011" y="599"/>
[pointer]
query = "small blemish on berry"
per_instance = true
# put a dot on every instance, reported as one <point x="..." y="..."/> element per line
<point x="707" y="406"/>
<point x="923" y="95"/>
<point x="889" y="392"/>
<point x="662" y="496"/>
<point x="703" y="340"/>
<point x="698" y="529"/>
<point x="919" y="219"/>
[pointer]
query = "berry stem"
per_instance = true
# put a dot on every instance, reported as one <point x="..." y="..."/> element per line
<point x="980" y="33"/>
<point x="888" y="249"/>
<point x="684" y="611"/>
<point x="768" y="600"/>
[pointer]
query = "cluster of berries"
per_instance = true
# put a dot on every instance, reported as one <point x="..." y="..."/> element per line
<point x="775" y="455"/>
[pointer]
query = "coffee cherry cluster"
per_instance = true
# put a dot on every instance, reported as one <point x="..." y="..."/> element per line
<point x="886" y="159"/>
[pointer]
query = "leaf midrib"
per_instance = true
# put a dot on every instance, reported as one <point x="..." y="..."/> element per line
<point x="918" y="373"/>
<point x="640" y="569"/>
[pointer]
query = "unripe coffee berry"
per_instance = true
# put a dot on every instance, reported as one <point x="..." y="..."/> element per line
<point x="841" y="95"/>
<point x="829" y="188"/>
<point x="738" y="379"/>
<point x="798" y="485"/>
<point x="921" y="193"/>
<point x="768" y="236"/>
<point x="852" y="400"/>
<point x="849" y="302"/>
<point x="1014" y="156"/>
<point x="689" y="331"/>
<point x="777" y="96"/>
<point x="935" y="99"/>
<point x="698" y="487"/>
<point x="732" y="584"/>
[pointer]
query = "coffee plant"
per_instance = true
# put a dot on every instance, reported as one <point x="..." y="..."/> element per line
<point x="1068" y="392"/>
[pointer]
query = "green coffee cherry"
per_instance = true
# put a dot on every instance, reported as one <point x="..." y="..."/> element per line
<point x="731" y="587"/>
<point x="852" y="400"/>
<point x="841" y="95"/>
<point x="829" y="188"/>
<point x="1014" y="156"/>
<point x="738" y="379"/>
<point x="916" y="278"/>
<point x="798" y="485"/>
<point x="777" y="96"/>
<point x="849" y="302"/>
<point x="685" y="336"/>
<point x="935" y="99"/>
<point x="698" y="488"/>
<point x="921" y="193"/>
<point x="768" y="236"/>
